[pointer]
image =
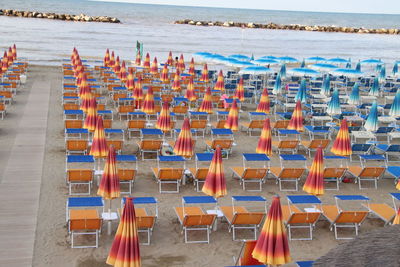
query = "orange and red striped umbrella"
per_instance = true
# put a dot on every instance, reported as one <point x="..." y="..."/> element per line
<point x="125" y="250"/>
<point x="112" y="60"/>
<point x="130" y="81"/>
<point x="146" y="62"/>
<point x="206" y="104"/>
<point x="170" y="60"/>
<point x="204" y="74"/>
<point x="10" y="56"/>
<point x="85" y="103"/>
<point x="215" y="184"/>
<point x="181" y="64"/>
<point x="117" y="67"/>
<point x="396" y="219"/>
<point x="176" y="84"/>
<point x="99" y="145"/>
<point x="4" y="63"/>
<point x="138" y="93"/>
<point x="109" y="184"/>
<point x="164" y="74"/>
<point x="190" y="94"/>
<point x="314" y="184"/>
<point x="91" y="116"/>
<point x="220" y="85"/>
<point x="164" y="120"/>
<point x="296" y="121"/>
<point x="184" y="144"/>
<point x="264" y="105"/>
<point x="191" y="70"/>
<point x="342" y="145"/>
<point x="272" y="246"/>
<point x="232" y="122"/>
<point x="123" y="74"/>
<point x="106" y="60"/>
<point x="154" y="66"/>
<point x="148" y="103"/>
<point x="239" y="93"/>
<point x="14" y="52"/>
<point x="138" y="59"/>
<point x="264" y="145"/>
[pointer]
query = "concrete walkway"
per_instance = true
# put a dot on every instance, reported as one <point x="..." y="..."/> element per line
<point x="20" y="184"/>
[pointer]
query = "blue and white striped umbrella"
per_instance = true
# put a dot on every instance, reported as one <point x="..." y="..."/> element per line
<point x="282" y="71"/>
<point x="374" y="91"/>
<point x="347" y="72"/>
<point x="371" y="124"/>
<point x="302" y="92"/>
<point x="255" y="70"/>
<point x="358" y="66"/>
<point x="326" y="85"/>
<point x="278" y="85"/>
<point x="382" y="74"/>
<point x="240" y="57"/>
<point x="287" y="59"/>
<point x="268" y="57"/>
<point x="334" y="104"/>
<point x="303" y="64"/>
<point x="323" y="66"/>
<point x="354" y="98"/>
<point x="337" y="60"/>
<point x="304" y="72"/>
<point x="395" y="69"/>
<point x="315" y="59"/>
<point x="395" y="108"/>
<point x="265" y="61"/>
<point x="371" y="61"/>
<point x="239" y="64"/>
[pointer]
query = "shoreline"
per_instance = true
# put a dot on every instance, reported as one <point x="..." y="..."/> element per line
<point x="292" y="27"/>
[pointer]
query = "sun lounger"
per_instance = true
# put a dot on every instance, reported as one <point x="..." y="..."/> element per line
<point x="367" y="174"/>
<point x="304" y="263"/>
<point x="382" y="211"/>
<point x="199" y="176"/>
<point x="127" y="176"/>
<point x="83" y="203"/>
<point x="250" y="175"/>
<point x="168" y="176"/>
<point x="118" y="144"/>
<point x="278" y="125"/>
<point x="149" y="146"/>
<point x="135" y="126"/>
<point x="314" y="144"/>
<point x="317" y="130"/>
<point x="334" y="174"/>
<point x="287" y="175"/>
<point x="84" y="222"/>
<point x="252" y="125"/>
<point x="75" y="146"/>
<point x="75" y="124"/>
<point x="77" y="177"/>
<point x="219" y="124"/>
<point x="225" y="144"/>
<point x="394" y="171"/>
<point x="285" y="145"/>
<point x="199" y="126"/>
<point x="389" y="151"/>
<point x="360" y="149"/>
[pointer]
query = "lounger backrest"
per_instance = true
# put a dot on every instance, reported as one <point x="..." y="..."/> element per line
<point x="255" y="173"/>
<point x="145" y="222"/>
<point x="116" y="143"/>
<point x="70" y="94"/>
<point x="351" y="217"/>
<point x="199" y="220"/>
<point x="334" y="172"/>
<point x="256" y="124"/>
<point x="6" y="94"/>
<point x="360" y="147"/>
<point x="251" y="218"/>
<point x="119" y="95"/>
<point x="10" y="85"/>
<point x="303" y="217"/>
<point x="221" y="124"/>
<point x="291" y="173"/>
<point x="319" y="142"/>
<point x="372" y="172"/>
<point x="126" y="174"/>
<point x="77" y="145"/>
<point x="288" y="144"/>
<point x="80" y="175"/>
<point x="76" y="124"/>
<point x="198" y="124"/>
<point x="151" y="144"/>
<point x="167" y="98"/>
<point x="393" y="148"/>
<point x="70" y="106"/>
<point x="170" y="173"/>
<point x="201" y="173"/>
<point x="281" y="124"/>
<point x="101" y="107"/>
<point x="107" y="124"/>
<point x="180" y="109"/>
<point x="223" y="143"/>
<point x="85" y="224"/>
<point x="137" y="124"/>
<point x="126" y="108"/>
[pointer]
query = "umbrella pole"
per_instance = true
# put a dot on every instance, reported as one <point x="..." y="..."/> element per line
<point x="109" y="218"/>
<point x="240" y="253"/>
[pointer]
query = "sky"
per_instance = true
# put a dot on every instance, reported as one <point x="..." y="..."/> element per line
<point x="349" y="6"/>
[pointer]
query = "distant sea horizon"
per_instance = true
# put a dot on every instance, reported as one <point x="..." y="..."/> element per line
<point x="46" y="41"/>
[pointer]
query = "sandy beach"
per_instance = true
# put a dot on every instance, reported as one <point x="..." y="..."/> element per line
<point x="52" y="246"/>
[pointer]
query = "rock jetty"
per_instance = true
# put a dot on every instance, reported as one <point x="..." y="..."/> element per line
<point x="66" y="17"/>
<point x="293" y="27"/>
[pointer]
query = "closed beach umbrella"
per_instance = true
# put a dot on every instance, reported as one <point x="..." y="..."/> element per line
<point x="10" y="56"/>
<point x="334" y="104"/>
<point x="123" y="74"/>
<point x="378" y="67"/>
<point x="296" y="121"/>
<point x="176" y="84"/>
<point x="239" y="92"/>
<point x="148" y="103"/>
<point x="232" y="122"/>
<point x="125" y="250"/>
<point x="264" y="104"/>
<point x="109" y="184"/>
<point x="112" y="60"/>
<point x="99" y="147"/>
<point x="138" y="59"/>
<point x="220" y="85"/>
<point x="130" y="81"/>
<point x="358" y="66"/>
<point x="314" y="184"/>
<point x="184" y="144"/>
<point x="277" y="85"/>
<point x="84" y="89"/>
<point x="146" y="63"/>
<point x="395" y="69"/>
<point x="14" y="52"/>
<point x="191" y="70"/>
<point x="342" y="146"/>
<point x="164" y="119"/>
<point x="190" y="94"/>
<point x="154" y="66"/>
<point x="117" y="67"/>
<point x="85" y="103"/>
<point x="164" y="74"/>
<point x="302" y="92"/>
<point x="181" y="64"/>
<point x="272" y="246"/>
<point x="348" y="65"/>
<point x="374" y="91"/>
<point x="326" y="85"/>
<point x="206" y="104"/>
<point x="303" y="64"/>
<point x="91" y="116"/>
<point x="215" y="184"/>
<point x="395" y="108"/>
<point x="138" y="93"/>
<point x="396" y="219"/>
<point x="204" y="74"/>
<point x="264" y="145"/>
<point x="106" y="60"/>
<point x="170" y="60"/>
<point x="371" y="124"/>
<point x="382" y="74"/>
<point x="354" y="98"/>
<point x="282" y="71"/>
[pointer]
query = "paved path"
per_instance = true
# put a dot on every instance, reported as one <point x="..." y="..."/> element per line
<point x="20" y="184"/>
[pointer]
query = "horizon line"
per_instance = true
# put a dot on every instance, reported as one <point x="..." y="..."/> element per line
<point x="242" y="8"/>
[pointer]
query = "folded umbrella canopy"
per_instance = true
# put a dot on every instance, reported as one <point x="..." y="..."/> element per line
<point x="204" y="74"/>
<point x="130" y="81"/>
<point x="354" y="98"/>
<point x="91" y="115"/>
<point x="99" y="147"/>
<point x="371" y="124"/>
<point x="181" y="64"/>
<point x="14" y="52"/>
<point x="282" y="71"/>
<point x="296" y="121"/>
<point x="277" y="85"/>
<point x="148" y="103"/>
<point x="232" y="122"/>
<point x="146" y="63"/>
<point x="374" y="91"/>
<point x="123" y="74"/>
<point x="314" y="184"/>
<point x="334" y="104"/>
<point x="342" y="145"/>
<point x="176" y="84"/>
<point x="138" y="93"/>
<point x="138" y="58"/>
<point x="215" y="184"/>
<point x="264" y="145"/>
<point x="395" y="69"/>
<point x="154" y="66"/>
<point x="117" y="67"/>
<point x="206" y="104"/>
<point x="326" y="85"/>
<point x="170" y="60"/>
<point x="106" y="60"/>
<point x="239" y="92"/>
<point x="164" y="119"/>
<point x="264" y="104"/>
<point x="395" y="108"/>
<point x="191" y="70"/>
<point x="190" y="94"/>
<point x="272" y="246"/>
<point x="184" y="144"/>
<point x="109" y="187"/>
<point x="302" y="92"/>
<point x="220" y="85"/>
<point x="164" y="74"/>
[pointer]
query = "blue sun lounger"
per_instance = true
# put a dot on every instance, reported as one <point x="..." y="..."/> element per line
<point x="255" y="157"/>
<point x="304" y="263"/>
<point x="203" y="157"/>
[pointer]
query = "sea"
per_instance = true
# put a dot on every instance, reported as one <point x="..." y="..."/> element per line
<point x="47" y="42"/>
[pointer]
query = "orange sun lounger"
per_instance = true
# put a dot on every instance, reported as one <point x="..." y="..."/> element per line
<point x="252" y="125"/>
<point x="287" y="175"/>
<point x="199" y="176"/>
<point x="149" y="146"/>
<point x="80" y="177"/>
<point x="250" y="175"/>
<point x="168" y="176"/>
<point x="366" y="174"/>
<point x="295" y="218"/>
<point x="127" y="176"/>
<point x="382" y="211"/>
<point x="285" y="145"/>
<point x="84" y="222"/>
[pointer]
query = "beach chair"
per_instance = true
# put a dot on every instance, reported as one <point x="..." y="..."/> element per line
<point x="180" y="110"/>
<point x="343" y="219"/>
<point x="199" y="126"/>
<point x="84" y="222"/>
<point x="294" y="218"/>
<point x="195" y="219"/>
<point x="382" y="210"/>
<point x="334" y="174"/>
<point x="75" y="146"/>
<point x="127" y="176"/>
<point x="168" y="176"/>
<point x="73" y="124"/>
<point x="250" y="175"/>
<point x="69" y="106"/>
<point x="225" y="144"/>
<point x="199" y="176"/>
<point x="285" y="145"/>
<point x="360" y="149"/>
<point x="7" y="97"/>
<point x="240" y="218"/>
<point x="390" y="151"/>
<point x="124" y="110"/>
<point x="292" y="175"/>
<point x="118" y="145"/>
<point x="279" y="125"/>
<point x="219" y="124"/>
<point x="78" y="177"/>
<point x="149" y="146"/>
<point x="252" y="126"/>
<point x="314" y="144"/>
<point x="135" y="126"/>
<point x="366" y="174"/>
